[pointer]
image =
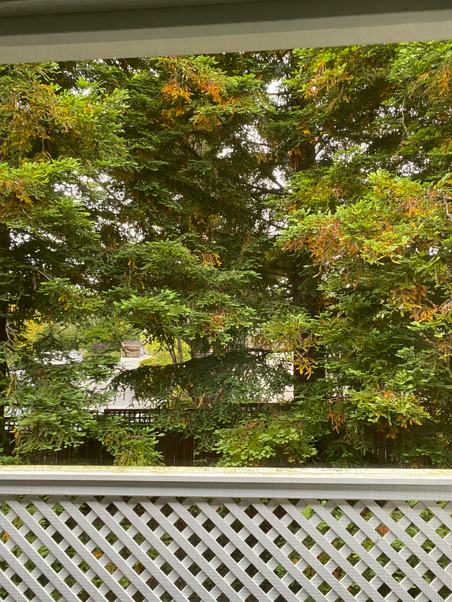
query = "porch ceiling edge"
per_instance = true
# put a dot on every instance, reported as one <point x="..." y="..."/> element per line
<point x="215" y="28"/>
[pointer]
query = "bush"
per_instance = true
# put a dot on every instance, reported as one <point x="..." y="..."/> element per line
<point x="267" y="440"/>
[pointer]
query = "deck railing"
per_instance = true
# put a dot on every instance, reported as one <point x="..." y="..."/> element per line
<point x="106" y="534"/>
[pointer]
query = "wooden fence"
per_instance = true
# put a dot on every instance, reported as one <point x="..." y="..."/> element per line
<point x="177" y="449"/>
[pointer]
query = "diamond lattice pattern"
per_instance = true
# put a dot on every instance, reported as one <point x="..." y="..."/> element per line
<point x="216" y="550"/>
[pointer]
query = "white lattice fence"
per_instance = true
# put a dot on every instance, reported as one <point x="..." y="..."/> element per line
<point x="198" y="547"/>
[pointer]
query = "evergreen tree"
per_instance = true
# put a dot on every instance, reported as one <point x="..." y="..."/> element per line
<point x="284" y="216"/>
<point x="54" y="146"/>
<point x="374" y="219"/>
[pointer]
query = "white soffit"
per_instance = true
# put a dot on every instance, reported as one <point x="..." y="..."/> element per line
<point x="59" y="30"/>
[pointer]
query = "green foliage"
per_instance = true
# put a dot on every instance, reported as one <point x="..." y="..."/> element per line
<point x="55" y="144"/>
<point x="7" y="460"/>
<point x="52" y="410"/>
<point x="379" y="242"/>
<point x="198" y="396"/>
<point x="129" y="446"/>
<point x="266" y="439"/>
<point x="385" y="265"/>
<point x="265" y="220"/>
<point x="159" y="356"/>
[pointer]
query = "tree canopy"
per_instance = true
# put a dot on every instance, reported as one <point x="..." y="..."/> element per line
<point x="283" y="217"/>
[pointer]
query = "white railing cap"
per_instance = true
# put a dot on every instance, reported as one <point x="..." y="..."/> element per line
<point x="419" y="484"/>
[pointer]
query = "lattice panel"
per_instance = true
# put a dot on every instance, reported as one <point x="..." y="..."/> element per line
<point x="215" y="550"/>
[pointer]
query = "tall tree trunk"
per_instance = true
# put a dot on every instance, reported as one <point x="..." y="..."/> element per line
<point x="179" y="350"/>
<point x="305" y="295"/>
<point x="302" y="274"/>
<point x="172" y="354"/>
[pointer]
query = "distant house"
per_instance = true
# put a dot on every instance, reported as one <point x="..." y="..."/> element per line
<point x="131" y="349"/>
<point x="99" y="347"/>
